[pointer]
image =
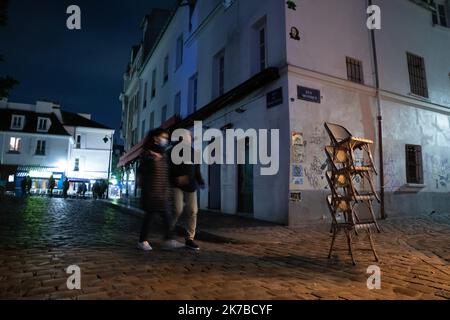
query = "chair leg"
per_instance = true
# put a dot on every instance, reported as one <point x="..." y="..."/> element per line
<point x="332" y="242"/>
<point x="349" y="241"/>
<point x="372" y="244"/>
<point x="369" y="204"/>
<point x="372" y="187"/>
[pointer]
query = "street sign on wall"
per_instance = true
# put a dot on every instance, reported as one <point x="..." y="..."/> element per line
<point x="275" y="98"/>
<point x="308" y="94"/>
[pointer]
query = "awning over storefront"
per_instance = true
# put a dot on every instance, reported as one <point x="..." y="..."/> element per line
<point x="39" y="172"/>
<point x="258" y="81"/>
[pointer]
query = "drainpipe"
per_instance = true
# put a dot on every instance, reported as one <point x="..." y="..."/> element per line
<point x="379" y="119"/>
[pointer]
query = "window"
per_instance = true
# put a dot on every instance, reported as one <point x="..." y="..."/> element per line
<point x="14" y="144"/>
<point x="417" y="75"/>
<point x="442" y="15"/>
<point x="77" y="165"/>
<point x="42" y="124"/>
<point x="193" y="94"/>
<point x="219" y="74"/>
<point x="355" y="70"/>
<point x="262" y="49"/>
<point x="40" y="148"/>
<point x="143" y="131"/>
<point x="177" y="105"/>
<point x="154" y="83"/>
<point x="166" y="69"/>
<point x="145" y="95"/>
<point x="179" y="56"/>
<point x="414" y="166"/>
<point x="11" y="178"/>
<point x="152" y="120"/>
<point x="17" y="122"/>
<point x="164" y="114"/>
<point x="78" y="141"/>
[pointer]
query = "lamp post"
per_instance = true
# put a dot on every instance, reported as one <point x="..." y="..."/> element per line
<point x="110" y="139"/>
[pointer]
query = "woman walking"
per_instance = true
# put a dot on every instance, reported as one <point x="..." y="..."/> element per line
<point x="156" y="193"/>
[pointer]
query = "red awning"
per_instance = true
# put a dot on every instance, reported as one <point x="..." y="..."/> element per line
<point x="131" y="155"/>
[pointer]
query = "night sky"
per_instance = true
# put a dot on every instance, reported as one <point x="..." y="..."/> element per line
<point x="82" y="69"/>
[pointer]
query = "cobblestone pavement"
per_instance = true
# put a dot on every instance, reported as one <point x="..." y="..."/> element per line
<point x="40" y="238"/>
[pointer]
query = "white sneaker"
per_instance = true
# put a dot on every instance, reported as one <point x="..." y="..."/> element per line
<point x="145" y="246"/>
<point x="172" y="244"/>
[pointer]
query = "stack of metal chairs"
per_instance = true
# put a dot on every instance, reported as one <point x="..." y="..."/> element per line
<point x="351" y="185"/>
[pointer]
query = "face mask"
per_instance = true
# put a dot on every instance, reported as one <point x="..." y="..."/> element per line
<point x="163" y="142"/>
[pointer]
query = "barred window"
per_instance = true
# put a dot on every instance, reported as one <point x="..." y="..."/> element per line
<point x="417" y="75"/>
<point x="355" y="70"/>
<point x="414" y="164"/>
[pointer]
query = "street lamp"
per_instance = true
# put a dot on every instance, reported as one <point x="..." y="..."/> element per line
<point x="110" y="139"/>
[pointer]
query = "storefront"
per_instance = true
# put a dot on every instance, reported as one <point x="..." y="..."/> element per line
<point x="40" y="176"/>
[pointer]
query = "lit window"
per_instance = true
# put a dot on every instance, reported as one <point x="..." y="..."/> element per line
<point x="11" y="178"/>
<point x="17" y="122"/>
<point x="14" y="144"/>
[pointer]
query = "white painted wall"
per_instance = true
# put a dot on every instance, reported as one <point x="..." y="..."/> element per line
<point x="57" y="148"/>
<point x="94" y="153"/>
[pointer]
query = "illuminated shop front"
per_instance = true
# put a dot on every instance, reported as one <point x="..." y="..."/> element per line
<point x="40" y="176"/>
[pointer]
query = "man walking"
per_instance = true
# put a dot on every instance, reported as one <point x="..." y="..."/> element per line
<point x="187" y="179"/>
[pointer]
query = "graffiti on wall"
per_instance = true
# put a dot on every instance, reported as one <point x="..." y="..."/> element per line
<point x="315" y="173"/>
<point x="440" y="170"/>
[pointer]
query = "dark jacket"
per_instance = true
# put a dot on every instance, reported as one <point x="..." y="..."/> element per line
<point x="153" y="175"/>
<point x="191" y="172"/>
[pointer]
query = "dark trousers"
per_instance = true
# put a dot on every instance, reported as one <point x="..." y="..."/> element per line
<point x="166" y="223"/>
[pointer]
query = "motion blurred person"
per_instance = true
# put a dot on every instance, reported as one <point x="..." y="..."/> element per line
<point x="187" y="179"/>
<point x="156" y="197"/>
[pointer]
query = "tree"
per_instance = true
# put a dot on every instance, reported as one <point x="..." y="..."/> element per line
<point x="6" y="82"/>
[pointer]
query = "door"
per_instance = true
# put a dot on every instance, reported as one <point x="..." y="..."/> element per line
<point x="245" y="185"/>
<point x="214" y="182"/>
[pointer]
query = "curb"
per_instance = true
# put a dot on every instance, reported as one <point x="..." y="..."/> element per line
<point x="201" y="235"/>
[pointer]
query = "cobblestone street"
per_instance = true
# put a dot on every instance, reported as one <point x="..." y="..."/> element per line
<point x="41" y="237"/>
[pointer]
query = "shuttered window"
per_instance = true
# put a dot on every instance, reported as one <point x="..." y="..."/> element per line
<point x="414" y="164"/>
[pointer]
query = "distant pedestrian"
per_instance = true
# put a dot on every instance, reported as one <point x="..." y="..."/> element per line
<point x="153" y="177"/>
<point x="66" y="186"/>
<point x="96" y="190"/>
<point x="83" y="190"/>
<point x="23" y="186"/>
<point x="51" y="185"/>
<point x="29" y="185"/>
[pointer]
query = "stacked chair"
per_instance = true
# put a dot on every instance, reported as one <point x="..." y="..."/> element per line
<point x="345" y="177"/>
